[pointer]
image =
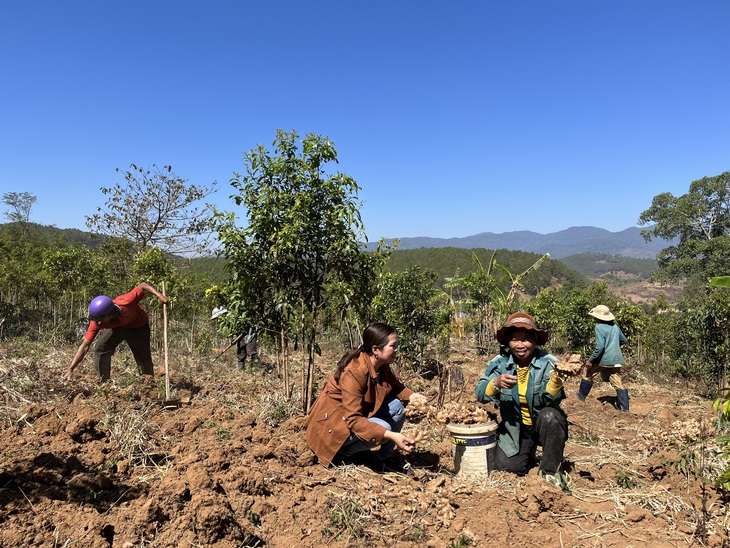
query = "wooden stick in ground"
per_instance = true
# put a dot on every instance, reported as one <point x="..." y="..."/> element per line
<point x="164" y="338"/>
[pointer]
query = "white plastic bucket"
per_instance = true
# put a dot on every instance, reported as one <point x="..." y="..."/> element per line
<point x="473" y="447"/>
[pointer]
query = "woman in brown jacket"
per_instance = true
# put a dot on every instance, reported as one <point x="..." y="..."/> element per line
<point x="361" y="405"/>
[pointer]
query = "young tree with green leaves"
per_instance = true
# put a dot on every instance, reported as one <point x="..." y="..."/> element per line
<point x="492" y="291"/>
<point x="565" y="315"/>
<point x="410" y="302"/>
<point x="77" y="277"/>
<point x="348" y="305"/>
<point x="302" y="237"/>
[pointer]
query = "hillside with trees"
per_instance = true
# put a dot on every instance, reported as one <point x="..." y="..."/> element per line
<point x="50" y="233"/>
<point x="601" y="265"/>
<point x="450" y="262"/>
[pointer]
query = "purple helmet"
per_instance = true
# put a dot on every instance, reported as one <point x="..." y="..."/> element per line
<point x="100" y="307"/>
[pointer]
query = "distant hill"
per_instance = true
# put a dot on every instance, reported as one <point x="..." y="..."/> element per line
<point x="49" y="232"/>
<point x="599" y="265"/>
<point x="630" y="257"/>
<point x="571" y="241"/>
<point x="448" y="262"/>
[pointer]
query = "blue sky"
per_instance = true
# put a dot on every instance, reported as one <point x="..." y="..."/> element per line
<point x="454" y="117"/>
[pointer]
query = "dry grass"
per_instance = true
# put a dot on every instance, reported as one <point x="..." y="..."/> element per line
<point x="365" y="505"/>
<point x="276" y="405"/>
<point x="137" y="439"/>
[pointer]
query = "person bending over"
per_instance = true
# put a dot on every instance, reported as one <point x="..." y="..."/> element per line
<point x="114" y="321"/>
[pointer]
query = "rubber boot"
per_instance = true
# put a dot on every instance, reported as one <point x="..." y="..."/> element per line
<point x="623" y="399"/>
<point x="584" y="389"/>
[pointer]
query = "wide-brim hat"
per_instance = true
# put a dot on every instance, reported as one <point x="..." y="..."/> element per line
<point x="218" y="311"/>
<point x="601" y="312"/>
<point x="521" y="320"/>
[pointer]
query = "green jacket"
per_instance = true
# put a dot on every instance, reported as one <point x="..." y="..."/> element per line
<point x="538" y="397"/>
<point x="609" y="339"/>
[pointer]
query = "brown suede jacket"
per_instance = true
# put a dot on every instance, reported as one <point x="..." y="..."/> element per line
<point x="345" y="407"/>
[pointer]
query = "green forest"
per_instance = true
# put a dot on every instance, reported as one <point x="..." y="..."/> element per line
<point x="597" y="265"/>
<point x="451" y="262"/>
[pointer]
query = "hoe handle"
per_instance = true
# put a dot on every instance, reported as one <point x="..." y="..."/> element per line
<point x="164" y="338"/>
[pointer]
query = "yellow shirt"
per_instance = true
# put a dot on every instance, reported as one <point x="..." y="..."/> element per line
<point x="523" y="374"/>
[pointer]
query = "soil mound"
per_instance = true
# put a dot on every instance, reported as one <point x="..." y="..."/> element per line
<point x="95" y="465"/>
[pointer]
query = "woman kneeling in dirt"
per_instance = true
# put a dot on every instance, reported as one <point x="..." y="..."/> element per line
<point x="529" y="391"/>
<point x="362" y="405"/>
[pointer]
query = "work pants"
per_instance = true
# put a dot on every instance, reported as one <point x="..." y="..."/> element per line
<point x="549" y="430"/>
<point x="138" y="339"/>
<point x="247" y="347"/>
<point x="608" y="374"/>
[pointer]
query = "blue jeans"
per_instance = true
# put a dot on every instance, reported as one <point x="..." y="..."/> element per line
<point x="391" y="415"/>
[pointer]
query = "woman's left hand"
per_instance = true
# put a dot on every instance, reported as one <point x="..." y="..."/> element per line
<point x="559" y="374"/>
<point x="417" y="397"/>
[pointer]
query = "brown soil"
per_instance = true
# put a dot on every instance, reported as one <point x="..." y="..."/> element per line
<point x="99" y="466"/>
<point x="641" y="291"/>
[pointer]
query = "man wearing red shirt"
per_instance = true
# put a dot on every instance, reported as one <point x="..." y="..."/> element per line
<point x="122" y="319"/>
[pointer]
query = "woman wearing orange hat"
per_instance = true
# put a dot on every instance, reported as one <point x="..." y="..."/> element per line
<point x="607" y="357"/>
<point x="529" y="391"/>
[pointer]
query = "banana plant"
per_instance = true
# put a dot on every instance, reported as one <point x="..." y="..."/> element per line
<point x="489" y="296"/>
<point x="720" y="281"/>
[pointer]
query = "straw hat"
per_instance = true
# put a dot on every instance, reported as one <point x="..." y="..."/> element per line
<point x="601" y="312"/>
<point x="218" y="311"/>
<point x="521" y="320"/>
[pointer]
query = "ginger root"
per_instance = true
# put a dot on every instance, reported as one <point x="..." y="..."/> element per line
<point x="569" y="365"/>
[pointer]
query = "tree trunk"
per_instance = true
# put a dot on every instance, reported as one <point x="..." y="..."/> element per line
<point x="284" y="361"/>
<point x="305" y="360"/>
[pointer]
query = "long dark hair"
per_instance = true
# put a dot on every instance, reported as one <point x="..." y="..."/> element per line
<point x="375" y="334"/>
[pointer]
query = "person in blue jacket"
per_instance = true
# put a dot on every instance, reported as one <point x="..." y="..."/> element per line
<point x="529" y="391"/>
<point x="607" y="357"/>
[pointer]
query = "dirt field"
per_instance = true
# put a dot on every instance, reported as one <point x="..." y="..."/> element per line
<point x="85" y="465"/>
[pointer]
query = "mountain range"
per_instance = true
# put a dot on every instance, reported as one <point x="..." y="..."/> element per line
<point x="571" y="241"/>
<point x="565" y="243"/>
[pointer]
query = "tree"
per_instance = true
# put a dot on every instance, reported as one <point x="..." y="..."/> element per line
<point x="491" y="296"/>
<point x="565" y="315"/>
<point x="302" y="238"/>
<point x="658" y="336"/>
<point x="701" y="221"/>
<point x="411" y="303"/>
<point x="74" y="274"/>
<point x="349" y="302"/>
<point x="154" y="207"/>
<point x="20" y="203"/>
